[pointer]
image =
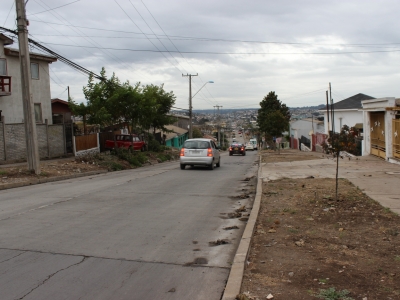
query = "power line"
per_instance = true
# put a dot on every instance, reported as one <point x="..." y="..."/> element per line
<point x="227" y="40"/>
<point x="53" y="8"/>
<point x="155" y="34"/>
<point x="305" y="94"/>
<point x="92" y="42"/>
<point x="229" y="53"/>
<point x="9" y="13"/>
<point x="158" y="50"/>
<point x="173" y="43"/>
<point x="58" y="56"/>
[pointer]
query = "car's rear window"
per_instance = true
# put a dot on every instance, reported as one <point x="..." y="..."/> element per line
<point x="196" y="145"/>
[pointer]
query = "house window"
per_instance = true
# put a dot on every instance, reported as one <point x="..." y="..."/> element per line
<point x="3" y="67"/>
<point x="34" y="71"/>
<point x="38" y="112"/>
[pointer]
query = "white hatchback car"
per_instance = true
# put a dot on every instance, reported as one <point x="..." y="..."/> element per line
<point x="200" y="152"/>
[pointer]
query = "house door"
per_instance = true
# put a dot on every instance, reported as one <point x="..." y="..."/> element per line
<point x="396" y="138"/>
<point x="378" y="146"/>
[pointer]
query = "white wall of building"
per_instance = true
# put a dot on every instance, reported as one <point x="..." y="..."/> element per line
<point x="349" y="117"/>
<point x="11" y="106"/>
<point x="304" y="126"/>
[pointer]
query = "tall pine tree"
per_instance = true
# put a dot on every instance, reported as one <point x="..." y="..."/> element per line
<point x="273" y="116"/>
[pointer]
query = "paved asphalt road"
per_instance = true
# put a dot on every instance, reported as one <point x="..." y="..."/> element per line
<point x="136" y="234"/>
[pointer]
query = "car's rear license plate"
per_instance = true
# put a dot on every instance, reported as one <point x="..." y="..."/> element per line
<point x="195" y="151"/>
<point x="236" y="148"/>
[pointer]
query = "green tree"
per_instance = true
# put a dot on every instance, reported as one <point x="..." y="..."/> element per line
<point x="102" y="98"/>
<point x="273" y="116"/>
<point x="110" y="102"/>
<point x="197" y="133"/>
<point x="81" y="110"/>
<point x="156" y="105"/>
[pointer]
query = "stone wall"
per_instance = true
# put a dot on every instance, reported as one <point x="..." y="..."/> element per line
<point x="1" y="141"/>
<point x="15" y="142"/>
<point x="56" y="144"/>
<point x="51" y="141"/>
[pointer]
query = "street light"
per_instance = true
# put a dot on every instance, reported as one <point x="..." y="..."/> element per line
<point x="210" y="81"/>
<point x="190" y="107"/>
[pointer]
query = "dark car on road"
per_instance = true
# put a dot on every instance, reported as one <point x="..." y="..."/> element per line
<point x="237" y="148"/>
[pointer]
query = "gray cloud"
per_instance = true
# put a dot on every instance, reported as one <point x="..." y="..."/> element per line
<point x="240" y="79"/>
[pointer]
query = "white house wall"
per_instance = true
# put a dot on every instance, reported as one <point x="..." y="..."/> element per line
<point x="11" y="106"/>
<point x="343" y="117"/>
<point x="303" y="127"/>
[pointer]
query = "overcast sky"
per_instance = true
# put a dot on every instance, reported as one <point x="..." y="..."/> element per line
<point x="248" y="48"/>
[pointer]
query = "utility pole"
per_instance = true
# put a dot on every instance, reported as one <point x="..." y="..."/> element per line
<point x="219" y="125"/>
<point x="26" y="86"/>
<point x="68" y="93"/>
<point x="190" y="103"/>
<point x="327" y="112"/>
<point x="332" y="110"/>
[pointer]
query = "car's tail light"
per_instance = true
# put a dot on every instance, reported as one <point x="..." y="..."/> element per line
<point x="230" y="148"/>
<point x="182" y="152"/>
<point x="209" y="152"/>
<point x="242" y="148"/>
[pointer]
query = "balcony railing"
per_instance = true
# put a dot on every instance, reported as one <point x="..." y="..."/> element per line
<point x="5" y="85"/>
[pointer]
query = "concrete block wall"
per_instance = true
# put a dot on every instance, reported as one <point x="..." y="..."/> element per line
<point x="56" y="144"/>
<point x="42" y="139"/>
<point x="2" y="153"/>
<point x="51" y="141"/>
<point x="15" y="141"/>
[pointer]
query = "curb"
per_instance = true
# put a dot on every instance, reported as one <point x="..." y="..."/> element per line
<point x="51" y="179"/>
<point x="234" y="283"/>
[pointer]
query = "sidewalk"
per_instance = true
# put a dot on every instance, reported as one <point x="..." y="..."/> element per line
<point x="378" y="179"/>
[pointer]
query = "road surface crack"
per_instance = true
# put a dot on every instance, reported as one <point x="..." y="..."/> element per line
<point x="12" y="257"/>
<point x="51" y="275"/>
<point x="116" y="259"/>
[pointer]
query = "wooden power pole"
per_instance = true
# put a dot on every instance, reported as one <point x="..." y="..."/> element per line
<point x="190" y="104"/>
<point x="219" y="125"/>
<point x="26" y="86"/>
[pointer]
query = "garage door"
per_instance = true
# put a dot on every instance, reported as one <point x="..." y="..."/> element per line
<point x="378" y="147"/>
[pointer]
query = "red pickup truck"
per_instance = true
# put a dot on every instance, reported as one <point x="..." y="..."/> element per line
<point x="127" y="141"/>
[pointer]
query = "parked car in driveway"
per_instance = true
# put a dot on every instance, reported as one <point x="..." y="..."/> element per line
<point x="200" y="152"/>
<point x="249" y="146"/>
<point x="126" y="141"/>
<point x="237" y="148"/>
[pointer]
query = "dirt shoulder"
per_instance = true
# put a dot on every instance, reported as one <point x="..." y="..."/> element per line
<point x="58" y="169"/>
<point x="308" y="245"/>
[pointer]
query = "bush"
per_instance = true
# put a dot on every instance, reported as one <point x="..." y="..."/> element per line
<point x="132" y="160"/>
<point x="112" y="166"/>
<point x="164" y="148"/>
<point x="162" y="157"/>
<point x="142" y="158"/>
<point x="154" y="146"/>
